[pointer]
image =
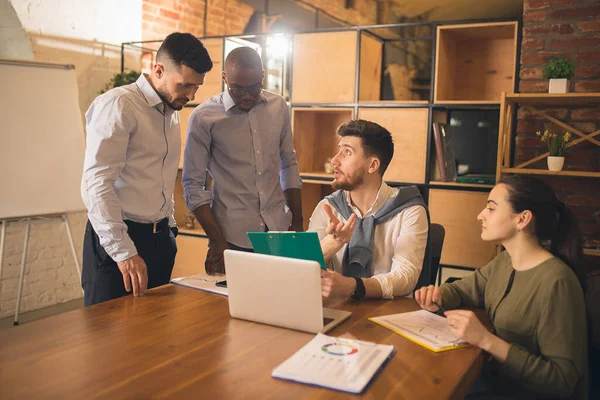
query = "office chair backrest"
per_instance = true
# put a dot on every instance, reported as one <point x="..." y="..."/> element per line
<point x="433" y="254"/>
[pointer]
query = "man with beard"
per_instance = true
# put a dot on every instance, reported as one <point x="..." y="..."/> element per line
<point x="372" y="235"/>
<point x="243" y="138"/>
<point x="131" y="160"/>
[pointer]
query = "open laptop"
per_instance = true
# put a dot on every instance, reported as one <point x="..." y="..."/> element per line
<point x="278" y="291"/>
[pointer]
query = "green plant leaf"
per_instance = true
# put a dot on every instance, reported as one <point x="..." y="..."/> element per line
<point x="559" y="67"/>
<point x="120" y="79"/>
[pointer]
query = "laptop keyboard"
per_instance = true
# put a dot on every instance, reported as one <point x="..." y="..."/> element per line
<point x="326" y="321"/>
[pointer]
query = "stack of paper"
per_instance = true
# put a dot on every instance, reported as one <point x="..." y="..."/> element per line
<point x="204" y="282"/>
<point x="424" y="328"/>
<point x="335" y="363"/>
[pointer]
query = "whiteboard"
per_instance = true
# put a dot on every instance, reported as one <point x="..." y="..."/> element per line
<point x="41" y="140"/>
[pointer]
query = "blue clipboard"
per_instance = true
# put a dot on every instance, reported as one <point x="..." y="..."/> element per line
<point x="301" y="245"/>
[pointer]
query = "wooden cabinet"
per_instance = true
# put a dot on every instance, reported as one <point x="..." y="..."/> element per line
<point x="457" y="211"/>
<point x="213" y="82"/>
<point x="408" y="127"/>
<point x="475" y="62"/>
<point x="313" y="191"/>
<point x="340" y="75"/>
<point x="315" y="139"/>
<point x="191" y="254"/>
<point x="325" y="64"/>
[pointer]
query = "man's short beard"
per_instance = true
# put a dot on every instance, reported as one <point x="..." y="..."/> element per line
<point x="348" y="186"/>
<point x="162" y="96"/>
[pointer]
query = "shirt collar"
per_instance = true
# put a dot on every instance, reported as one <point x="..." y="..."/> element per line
<point x="381" y="198"/>
<point x="148" y="91"/>
<point x="229" y="103"/>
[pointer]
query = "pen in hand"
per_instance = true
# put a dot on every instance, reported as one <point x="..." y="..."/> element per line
<point x="441" y="310"/>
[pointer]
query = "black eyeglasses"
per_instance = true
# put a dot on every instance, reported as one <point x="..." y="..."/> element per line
<point x="253" y="90"/>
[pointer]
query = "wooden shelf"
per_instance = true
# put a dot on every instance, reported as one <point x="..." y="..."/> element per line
<point x="393" y="102"/>
<point x="312" y="194"/>
<point x="315" y="139"/>
<point x="469" y="103"/>
<point x="510" y="101"/>
<point x="315" y="174"/>
<point x="553" y="99"/>
<point x="316" y="181"/>
<point x="475" y="62"/>
<point x="585" y="174"/>
<point x="591" y="252"/>
<point x="455" y="184"/>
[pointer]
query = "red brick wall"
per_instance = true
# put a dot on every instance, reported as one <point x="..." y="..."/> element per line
<point x="225" y="17"/>
<point x="572" y="28"/>
<point x="162" y="17"/>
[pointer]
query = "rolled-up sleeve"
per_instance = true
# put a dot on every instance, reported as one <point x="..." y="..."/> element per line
<point x="409" y="254"/>
<point x="289" y="174"/>
<point x="107" y="139"/>
<point x="196" y="157"/>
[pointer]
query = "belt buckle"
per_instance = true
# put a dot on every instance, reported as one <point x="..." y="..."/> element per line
<point x="154" y="227"/>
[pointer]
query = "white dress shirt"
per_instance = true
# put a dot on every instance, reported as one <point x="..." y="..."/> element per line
<point x="131" y="160"/>
<point x="398" y="244"/>
<point x="251" y="158"/>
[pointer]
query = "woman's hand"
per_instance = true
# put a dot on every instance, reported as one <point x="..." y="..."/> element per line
<point x="429" y="298"/>
<point x="466" y="325"/>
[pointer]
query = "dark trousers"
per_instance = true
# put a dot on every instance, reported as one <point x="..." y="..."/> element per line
<point x="101" y="278"/>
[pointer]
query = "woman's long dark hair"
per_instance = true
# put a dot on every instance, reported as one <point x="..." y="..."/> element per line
<point x="553" y="220"/>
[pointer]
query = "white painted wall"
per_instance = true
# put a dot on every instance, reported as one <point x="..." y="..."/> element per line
<point x="107" y="21"/>
<point x="14" y="43"/>
<point x="87" y="34"/>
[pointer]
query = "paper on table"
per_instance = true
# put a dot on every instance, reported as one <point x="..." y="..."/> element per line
<point x="335" y="363"/>
<point x="424" y="328"/>
<point x="203" y="282"/>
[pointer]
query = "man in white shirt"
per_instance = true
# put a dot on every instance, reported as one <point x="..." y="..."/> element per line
<point x="132" y="155"/>
<point x="372" y="235"/>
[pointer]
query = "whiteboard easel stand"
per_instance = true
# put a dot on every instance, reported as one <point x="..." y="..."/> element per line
<point x="28" y="222"/>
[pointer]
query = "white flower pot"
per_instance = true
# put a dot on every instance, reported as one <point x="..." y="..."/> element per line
<point x="555" y="163"/>
<point x="558" y="86"/>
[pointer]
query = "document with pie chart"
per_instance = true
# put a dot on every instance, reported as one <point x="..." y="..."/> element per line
<point x="335" y="363"/>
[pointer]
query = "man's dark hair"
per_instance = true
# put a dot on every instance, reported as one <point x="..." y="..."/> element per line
<point x="376" y="141"/>
<point x="184" y="49"/>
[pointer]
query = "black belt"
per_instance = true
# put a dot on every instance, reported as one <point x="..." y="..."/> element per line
<point x="152" y="227"/>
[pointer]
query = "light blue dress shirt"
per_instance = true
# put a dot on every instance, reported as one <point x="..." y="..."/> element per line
<point x="251" y="158"/>
<point x="133" y="146"/>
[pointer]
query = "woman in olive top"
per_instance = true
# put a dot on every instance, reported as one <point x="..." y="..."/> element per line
<point x="533" y="297"/>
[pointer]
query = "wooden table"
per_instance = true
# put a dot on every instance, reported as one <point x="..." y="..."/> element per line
<point x="177" y="342"/>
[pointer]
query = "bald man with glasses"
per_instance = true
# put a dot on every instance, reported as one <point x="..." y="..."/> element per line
<point x="243" y="138"/>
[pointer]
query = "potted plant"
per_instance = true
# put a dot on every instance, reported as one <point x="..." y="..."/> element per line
<point x="120" y="79"/>
<point x="557" y="146"/>
<point x="559" y="69"/>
